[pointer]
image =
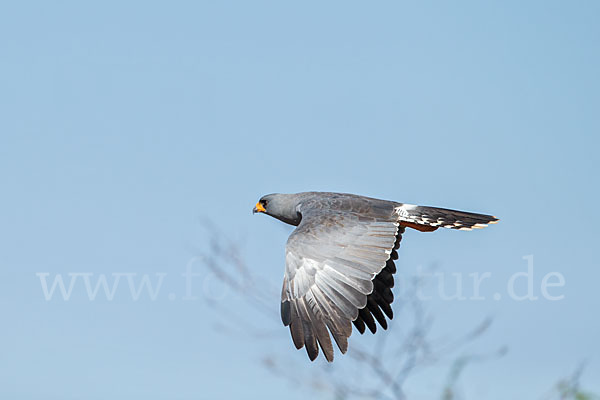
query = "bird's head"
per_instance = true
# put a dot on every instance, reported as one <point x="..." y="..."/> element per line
<point x="280" y="206"/>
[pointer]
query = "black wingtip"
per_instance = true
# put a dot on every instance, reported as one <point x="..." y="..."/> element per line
<point x="367" y="318"/>
<point x="312" y="351"/>
<point x="328" y="355"/>
<point x="360" y="325"/>
<point x="286" y="315"/>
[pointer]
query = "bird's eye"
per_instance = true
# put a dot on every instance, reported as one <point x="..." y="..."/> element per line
<point x="264" y="203"/>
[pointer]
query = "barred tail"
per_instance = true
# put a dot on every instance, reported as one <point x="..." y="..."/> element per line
<point x="430" y="218"/>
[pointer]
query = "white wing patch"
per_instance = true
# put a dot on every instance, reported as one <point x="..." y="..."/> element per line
<point x="403" y="210"/>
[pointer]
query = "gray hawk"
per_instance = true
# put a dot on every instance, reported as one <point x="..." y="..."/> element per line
<point x="340" y="260"/>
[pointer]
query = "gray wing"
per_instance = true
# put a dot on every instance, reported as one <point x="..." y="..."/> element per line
<point x="331" y="260"/>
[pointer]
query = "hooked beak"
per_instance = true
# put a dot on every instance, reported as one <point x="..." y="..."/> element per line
<point x="258" y="208"/>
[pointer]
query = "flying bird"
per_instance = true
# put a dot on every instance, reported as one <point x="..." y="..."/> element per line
<point x="340" y="260"/>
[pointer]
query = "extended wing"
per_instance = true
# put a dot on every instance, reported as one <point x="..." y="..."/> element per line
<point x="331" y="260"/>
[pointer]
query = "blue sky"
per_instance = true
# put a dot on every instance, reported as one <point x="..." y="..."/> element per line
<point x="124" y="124"/>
